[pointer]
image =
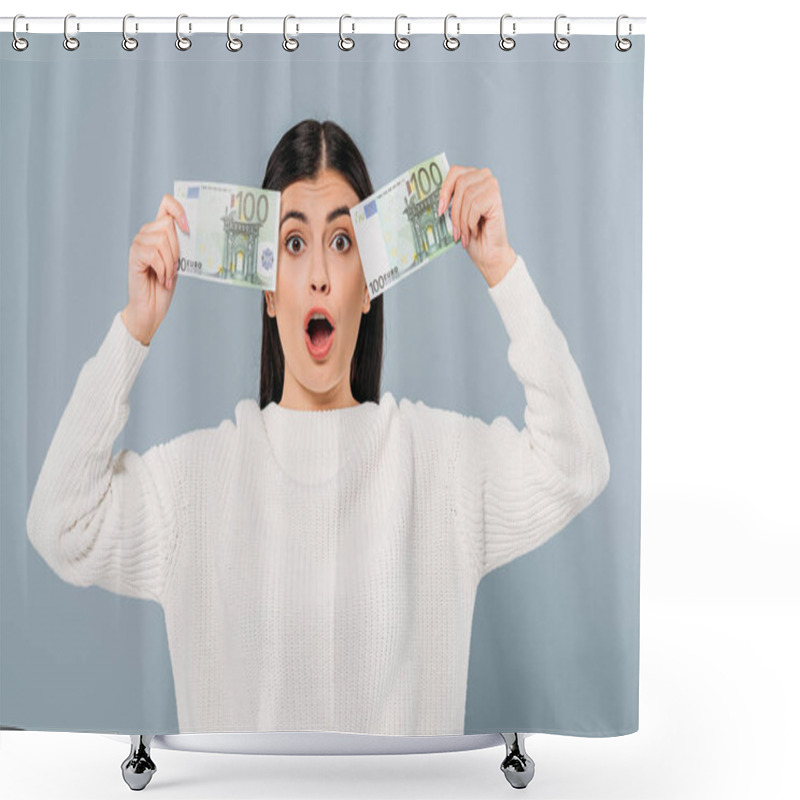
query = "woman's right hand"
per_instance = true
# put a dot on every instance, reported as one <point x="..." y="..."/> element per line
<point x="152" y="270"/>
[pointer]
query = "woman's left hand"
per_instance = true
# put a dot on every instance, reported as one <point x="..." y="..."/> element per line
<point x="478" y="219"/>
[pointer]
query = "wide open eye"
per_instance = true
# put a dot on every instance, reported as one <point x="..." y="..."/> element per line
<point x="341" y="242"/>
<point x="289" y="243"/>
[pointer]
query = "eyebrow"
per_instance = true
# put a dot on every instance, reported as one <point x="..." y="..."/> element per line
<point x="337" y="212"/>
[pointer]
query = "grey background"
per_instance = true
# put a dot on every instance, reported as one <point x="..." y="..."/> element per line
<point x="92" y="139"/>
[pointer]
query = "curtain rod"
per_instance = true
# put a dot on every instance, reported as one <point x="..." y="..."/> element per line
<point x="407" y="26"/>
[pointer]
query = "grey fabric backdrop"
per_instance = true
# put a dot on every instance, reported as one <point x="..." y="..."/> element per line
<point x="92" y="139"/>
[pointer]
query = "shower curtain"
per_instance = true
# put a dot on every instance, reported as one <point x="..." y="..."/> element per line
<point x="320" y="483"/>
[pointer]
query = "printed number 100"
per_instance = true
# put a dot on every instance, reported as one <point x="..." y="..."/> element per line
<point x="250" y="207"/>
<point x="425" y="179"/>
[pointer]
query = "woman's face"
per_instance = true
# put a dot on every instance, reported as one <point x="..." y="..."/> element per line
<point x="318" y="268"/>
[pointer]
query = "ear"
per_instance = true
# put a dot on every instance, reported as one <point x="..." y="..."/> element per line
<point x="270" y="298"/>
<point x="366" y="304"/>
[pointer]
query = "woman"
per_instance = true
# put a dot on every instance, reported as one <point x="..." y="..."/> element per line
<point x="317" y="559"/>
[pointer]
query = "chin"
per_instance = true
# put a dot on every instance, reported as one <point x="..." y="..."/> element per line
<point x="320" y="387"/>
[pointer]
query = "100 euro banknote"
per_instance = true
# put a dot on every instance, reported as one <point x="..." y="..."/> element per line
<point x="397" y="228"/>
<point x="233" y="233"/>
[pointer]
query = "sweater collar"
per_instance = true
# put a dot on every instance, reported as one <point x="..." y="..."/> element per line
<point x="314" y="446"/>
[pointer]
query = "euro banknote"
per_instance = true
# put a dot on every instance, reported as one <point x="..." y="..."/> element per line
<point x="397" y="228"/>
<point x="233" y="233"/>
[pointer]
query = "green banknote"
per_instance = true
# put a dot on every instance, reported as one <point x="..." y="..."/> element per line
<point x="233" y="233"/>
<point x="397" y="228"/>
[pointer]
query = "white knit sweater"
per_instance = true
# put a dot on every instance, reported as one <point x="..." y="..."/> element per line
<point x="318" y="569"/>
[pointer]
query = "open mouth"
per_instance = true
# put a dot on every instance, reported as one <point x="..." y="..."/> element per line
<point x="319" y="334"/>
<point x="319" y="331"/>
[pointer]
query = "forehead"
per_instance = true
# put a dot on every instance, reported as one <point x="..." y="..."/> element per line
<point x="318" y="195"/>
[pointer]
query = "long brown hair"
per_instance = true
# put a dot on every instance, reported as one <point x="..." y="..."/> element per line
<point x="303" y="152"/>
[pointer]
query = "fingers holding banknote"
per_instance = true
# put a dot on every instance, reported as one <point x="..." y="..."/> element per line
<point x="152" y="267"/>
<point x="478" y="219"/>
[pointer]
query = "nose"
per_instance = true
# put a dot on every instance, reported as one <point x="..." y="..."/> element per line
<point x="319" y="274"/>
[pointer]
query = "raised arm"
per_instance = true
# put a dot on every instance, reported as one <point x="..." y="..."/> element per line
<point x="97" y="519"/>
<point x="516" y="489"/>
<point x="94" y="518"/>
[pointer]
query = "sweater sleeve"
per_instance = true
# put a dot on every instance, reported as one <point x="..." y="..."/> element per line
<point x="97" y="519"/>
<point x="516" y="489"/>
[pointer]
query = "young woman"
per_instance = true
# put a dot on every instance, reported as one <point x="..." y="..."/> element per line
<point x="317" y="559"/>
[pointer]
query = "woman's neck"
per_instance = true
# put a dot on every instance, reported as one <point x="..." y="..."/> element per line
<point x="298" y="397"/>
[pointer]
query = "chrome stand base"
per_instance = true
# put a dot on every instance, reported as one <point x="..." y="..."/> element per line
<point x="138" y="768"/>
<point x="517" y="766"/>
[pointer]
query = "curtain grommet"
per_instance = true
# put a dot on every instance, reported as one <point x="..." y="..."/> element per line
<point x="70" y="42"/>
<point x="290" y="44"/>
<point x="129" y="43"/>
<point x="561" y="43"/>
<point x="17" y="42"/>
<point x="345" y="42"/>
<point x="507" y="42"/>
<point x="451" y="42"/>
<point x="400" y="42"/>
<point x="623" y="45"/>
<point x="233" y="44"/>
<point x="182" y="42"/>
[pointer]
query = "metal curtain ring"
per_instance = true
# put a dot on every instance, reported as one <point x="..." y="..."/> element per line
<point x="451" y="42"/>
<point x="623" y="45"/>
<point x="345" y="43"/>
<point x="18" y="43"/>
<point x="233" y="44"/>
<point x="507" y="42"/>
<point x="182" y="42"/>
<point x="128" y="42"/>
<point x="288" y="42"/>
<point x="400" y="42"/>
<point x="70" y="42"/>
<point x="561" y="43"/>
